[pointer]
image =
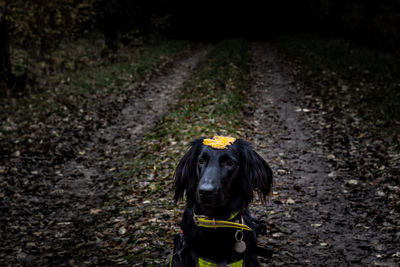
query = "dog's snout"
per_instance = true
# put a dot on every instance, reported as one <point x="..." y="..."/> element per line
<point x="209" y="188"/>
<point x="208" y="193"/>
<point x="206" y="189"/>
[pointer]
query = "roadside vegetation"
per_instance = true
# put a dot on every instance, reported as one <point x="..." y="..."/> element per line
<point x="210" y="103"/>
<point x="348" y="75"/>
<point x="76" y="91"/>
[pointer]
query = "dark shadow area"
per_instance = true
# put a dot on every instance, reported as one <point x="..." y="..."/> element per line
<point x="257" y="20"/>
<point x="369" y="22"/>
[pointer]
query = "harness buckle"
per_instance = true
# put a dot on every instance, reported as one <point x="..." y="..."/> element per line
<point x="196" y="220"/>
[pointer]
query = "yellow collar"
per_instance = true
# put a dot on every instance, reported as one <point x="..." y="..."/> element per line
<point x="203" y="221"/>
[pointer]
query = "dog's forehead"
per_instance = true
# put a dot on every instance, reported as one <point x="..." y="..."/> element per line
<point x="218" y="152"/>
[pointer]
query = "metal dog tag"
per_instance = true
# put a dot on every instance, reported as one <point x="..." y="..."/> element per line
<point x="240" y="246"/>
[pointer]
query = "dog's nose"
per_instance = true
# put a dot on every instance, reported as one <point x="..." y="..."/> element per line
<point x="206" y="189"/>
<point x="207" y="193"/>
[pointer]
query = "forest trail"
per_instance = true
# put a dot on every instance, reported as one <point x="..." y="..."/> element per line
<point x="312" y="218"/>
<point x="321" y="213"/>
<point x="62" y="218"/>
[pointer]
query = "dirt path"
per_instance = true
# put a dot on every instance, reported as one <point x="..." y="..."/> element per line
<point x="62" y="221"/>
<point x="313" y="219"/>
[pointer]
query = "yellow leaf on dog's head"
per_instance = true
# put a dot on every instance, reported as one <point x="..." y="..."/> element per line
<point x="219" y="142"/>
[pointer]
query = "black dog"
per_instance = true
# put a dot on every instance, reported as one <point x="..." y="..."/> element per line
<point x="219" y="176"/>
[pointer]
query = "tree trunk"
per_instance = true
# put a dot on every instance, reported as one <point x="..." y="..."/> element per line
<point x="5" y="63"/>
<point x="109" y="26"/>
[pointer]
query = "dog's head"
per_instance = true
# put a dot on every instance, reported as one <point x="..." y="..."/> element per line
<point x="220" y="180"/>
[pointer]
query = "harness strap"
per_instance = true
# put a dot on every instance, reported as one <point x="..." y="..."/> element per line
<point x="202" y="262"/>
<point x="203" y="221"/>
<point x="263" y="252"/>
<point x="205" y="263"/>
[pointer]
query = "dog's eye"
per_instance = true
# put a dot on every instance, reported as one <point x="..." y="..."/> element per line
<point x="201" y="161"/>
<point x="230" y="163"/>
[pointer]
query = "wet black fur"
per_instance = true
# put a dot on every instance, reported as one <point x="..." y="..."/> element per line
<point x="218" y="244"/>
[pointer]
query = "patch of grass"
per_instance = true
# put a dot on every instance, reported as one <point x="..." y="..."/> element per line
<point x="365" y="79"/>
<point x="122" y="73"/>
<point x="210" y="103"/>
<point x="74" y="93"/>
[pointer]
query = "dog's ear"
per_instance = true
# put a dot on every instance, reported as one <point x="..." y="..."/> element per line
<point x="261" y="175"/>
<point x="186" y="173"/>
<point x="258" y="175"/>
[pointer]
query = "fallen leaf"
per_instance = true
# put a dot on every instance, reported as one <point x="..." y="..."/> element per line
<point x="316" y="224"/>
<point x="331" y="156"/>
<point x="95" y="211"/>
<point x="289" y="201"/>
<point x="352" y="182"/>
<point x="122" y="230"/>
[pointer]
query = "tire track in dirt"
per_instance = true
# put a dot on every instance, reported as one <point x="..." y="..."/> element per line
<point x="310" y="221"/>
<point x="64" y="220"/>
<point x="139" y="115"/>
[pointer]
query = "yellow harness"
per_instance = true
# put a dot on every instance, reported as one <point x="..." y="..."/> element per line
<point x="204" y="263"/>
<point x="203" y="221"/>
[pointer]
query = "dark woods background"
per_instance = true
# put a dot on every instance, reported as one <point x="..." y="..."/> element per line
<point x="40" y="26"/>
<point x="371" y="21"/>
